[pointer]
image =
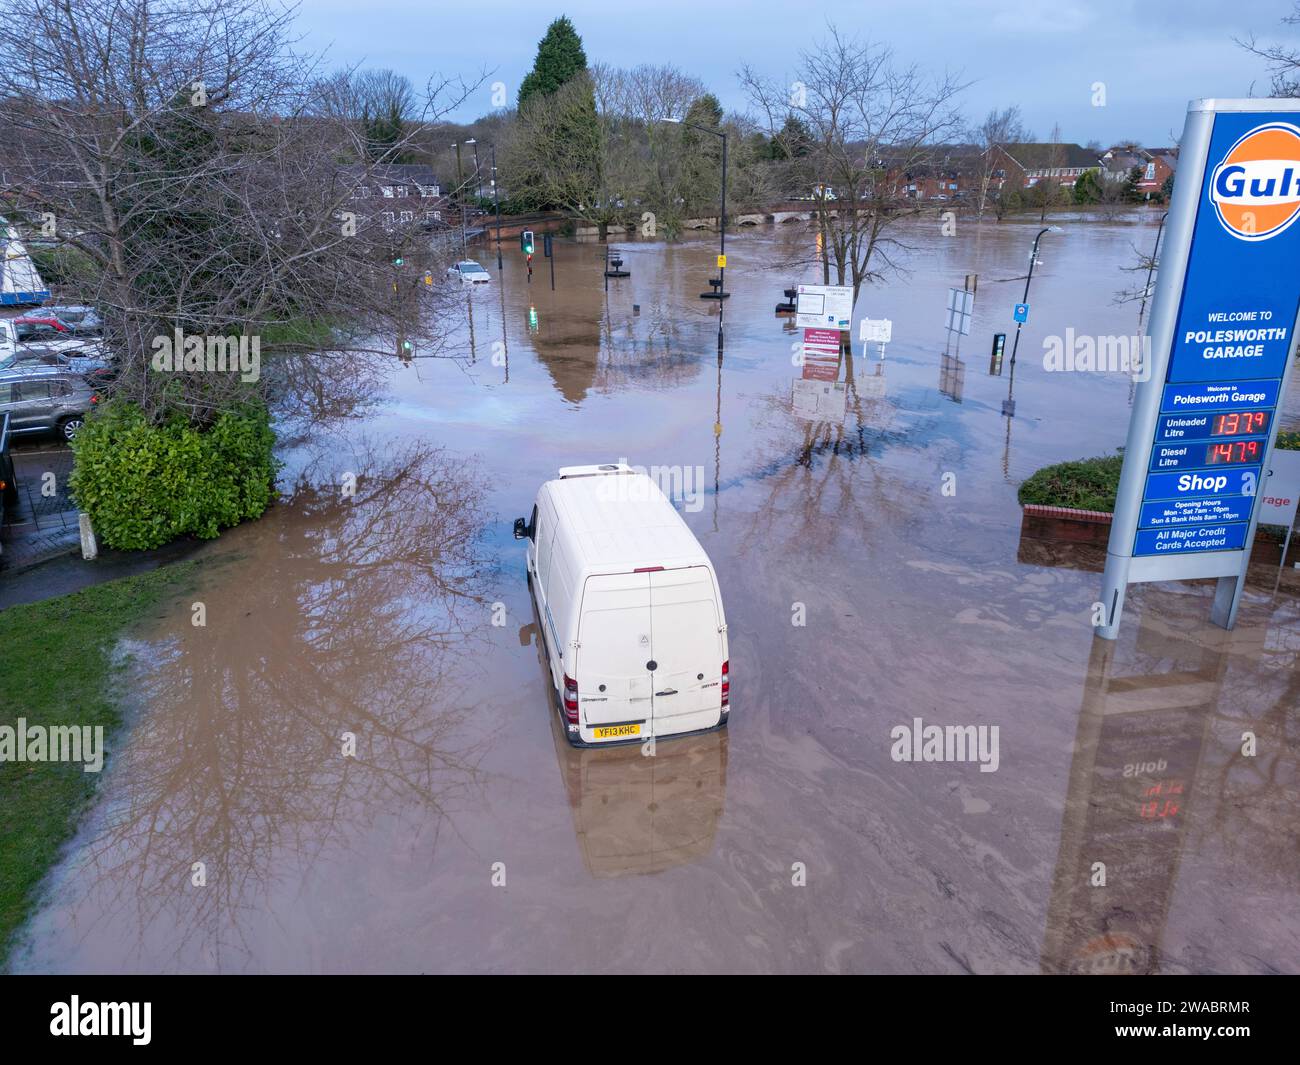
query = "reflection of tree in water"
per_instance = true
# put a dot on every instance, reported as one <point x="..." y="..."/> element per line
<point x="585" y="350"/>
<point x="355" y="623"/>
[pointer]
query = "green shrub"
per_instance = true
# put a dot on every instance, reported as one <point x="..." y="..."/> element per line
<point x="1288" y="440"/>
<point x="144" y="485"/>
<point x="1088" y="484"/>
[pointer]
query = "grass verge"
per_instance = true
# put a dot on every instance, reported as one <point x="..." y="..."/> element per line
<point x="59" y="670"/>
<point x="1086" y="484"/>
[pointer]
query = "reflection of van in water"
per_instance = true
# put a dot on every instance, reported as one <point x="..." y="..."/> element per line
<point x="631" y="617"/>
<point x="635" y="815"/>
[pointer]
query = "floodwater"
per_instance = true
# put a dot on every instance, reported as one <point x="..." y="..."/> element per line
<point x="464" y="834"/>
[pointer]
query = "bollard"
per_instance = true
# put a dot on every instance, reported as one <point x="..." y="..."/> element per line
<point x="89" y="549"/>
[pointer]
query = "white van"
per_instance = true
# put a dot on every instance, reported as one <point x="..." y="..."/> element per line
<point x="634" y="632"/>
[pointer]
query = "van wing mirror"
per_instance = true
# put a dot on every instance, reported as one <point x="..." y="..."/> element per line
<point x="521" y="529"/>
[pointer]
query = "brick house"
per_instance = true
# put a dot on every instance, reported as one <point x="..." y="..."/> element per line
<point x="1156" y="165"/>
<point x="1025" y="165"/>
<point x="401" y="194"/>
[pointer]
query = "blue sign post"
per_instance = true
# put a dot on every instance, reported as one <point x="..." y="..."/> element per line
<point x="1021" y="312"/>
<point x="1223" y="329"/>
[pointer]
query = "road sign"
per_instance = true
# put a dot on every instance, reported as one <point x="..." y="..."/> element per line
<point x="722" y="262"/>
<point x="1278" y="495"/>
<point x="1222" y="327"/>
<point x="821" y="354"/>
<point x="875" y="330"/>
<point x="827" y="306"/>
<point x="961" y="305"/>
<point x="1021" y="312"/>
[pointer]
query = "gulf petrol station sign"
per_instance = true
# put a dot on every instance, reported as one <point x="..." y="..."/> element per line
<point x="1222" y="338"/>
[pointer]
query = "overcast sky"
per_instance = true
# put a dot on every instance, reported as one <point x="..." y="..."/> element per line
<point x="1044" y="55"/>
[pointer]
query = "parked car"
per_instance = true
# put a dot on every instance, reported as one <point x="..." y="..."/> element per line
<point x="80" y="318"/>
<point x="8" y="341"/>
<point x="8" y="481"/>
<point x="28" y="356"/>
<point x="632" y="620"/>
<point x="470" y="272"/>
<point x="50" y="331"/>
<point x="45" y="401"/>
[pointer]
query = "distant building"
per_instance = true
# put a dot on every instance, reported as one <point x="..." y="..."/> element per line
<point x="1023" y="166"/>
<point x="1155" y="165"/>
<point x="398" y="195"/>
<point x="950" y="174"/>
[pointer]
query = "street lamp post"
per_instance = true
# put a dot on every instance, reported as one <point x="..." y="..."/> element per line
<point x="496" y="200"/>
<point x="478" y="181"/>
<point x="460" y="199"/>
<point x="1009" y="406"/>
<point x="721" y="293"/>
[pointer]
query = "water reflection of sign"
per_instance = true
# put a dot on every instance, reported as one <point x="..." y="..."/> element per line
<point x="1277" y="504"/>
<point x="829" y="306"/>
<point x="819" y="400"/>
<point x="961" y="305"/>
<point x="821" y="354"/>
<point x="1137" y="751"/>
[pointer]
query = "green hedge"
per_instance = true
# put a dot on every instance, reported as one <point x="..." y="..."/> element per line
<point x="1088" y="484"/>
<point x="144" y="485"/>
<point x="1288" y="440"/>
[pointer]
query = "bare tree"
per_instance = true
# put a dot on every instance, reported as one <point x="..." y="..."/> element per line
<point x="999" y="128"/>
<point x="870" y="120"/>
<point x="197" y="161"/>
<point x="1283" y="59"/>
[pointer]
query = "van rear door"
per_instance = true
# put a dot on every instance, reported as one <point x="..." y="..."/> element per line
<point x="687" y="644"/>
<point x="614" y="649"/>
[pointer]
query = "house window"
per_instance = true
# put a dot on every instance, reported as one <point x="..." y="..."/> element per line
<point x="408" y="216"/>
<point x="402" y="190"/>
<point x="437" y="216"/>
<point x="1151" y="171"/>
<point x="388" y="218"/>
<point x="388" y="191"/>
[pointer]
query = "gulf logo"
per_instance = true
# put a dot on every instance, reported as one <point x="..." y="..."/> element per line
<point x="1256" y="188"/>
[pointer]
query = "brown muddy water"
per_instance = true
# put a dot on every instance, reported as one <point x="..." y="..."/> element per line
<point x="464" y="834"/>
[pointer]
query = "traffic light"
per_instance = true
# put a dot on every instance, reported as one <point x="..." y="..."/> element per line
<point x="546" y="245"/>
<point x="526" y="242"/>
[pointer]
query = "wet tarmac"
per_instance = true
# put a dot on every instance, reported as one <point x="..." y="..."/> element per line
<point x="464" y="834"/>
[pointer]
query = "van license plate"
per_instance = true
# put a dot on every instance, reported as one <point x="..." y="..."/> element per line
<point x="617" y="731"/>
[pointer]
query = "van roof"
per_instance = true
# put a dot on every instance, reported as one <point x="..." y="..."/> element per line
<point x="621" y="521"/>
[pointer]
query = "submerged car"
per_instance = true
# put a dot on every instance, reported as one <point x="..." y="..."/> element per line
<point x="632" y="621"/>
<point x="470" y="272"/>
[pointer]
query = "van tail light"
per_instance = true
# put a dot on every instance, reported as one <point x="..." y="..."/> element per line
<point x="726" y="685"/>
<point x="570" y="700"/>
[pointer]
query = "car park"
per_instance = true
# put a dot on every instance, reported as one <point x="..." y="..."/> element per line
<point x="631" y="615"/>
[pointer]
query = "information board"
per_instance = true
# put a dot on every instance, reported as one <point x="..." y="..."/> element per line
<point x="1222" y="335"/>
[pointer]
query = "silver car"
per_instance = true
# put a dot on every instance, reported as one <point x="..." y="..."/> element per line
<point x="45" y="401"/>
